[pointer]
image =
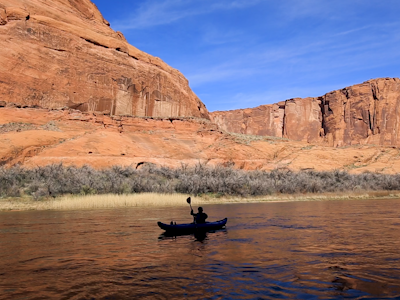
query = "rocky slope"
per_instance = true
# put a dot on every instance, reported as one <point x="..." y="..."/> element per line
<point x="37" y="137"/>
<point x="63" y="53"/>
<point x="366" y="113"/>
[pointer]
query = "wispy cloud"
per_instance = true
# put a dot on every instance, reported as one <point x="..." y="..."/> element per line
<point x="153" y="13"/>
<point x="347" y="32"/>
<point x="294" y="9"/>
<point x="234" y="4"/>
<point x="215" y="36"/>
<point x="242" y="53"/>
<point x="323" y="57"/>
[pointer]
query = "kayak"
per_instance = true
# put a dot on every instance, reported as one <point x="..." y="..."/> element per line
<point x="192" y="227"/>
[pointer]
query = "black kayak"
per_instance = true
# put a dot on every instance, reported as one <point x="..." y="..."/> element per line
<point x="192" y="227"/>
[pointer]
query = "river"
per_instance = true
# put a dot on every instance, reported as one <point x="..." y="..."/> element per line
<point x="291" y="250"/>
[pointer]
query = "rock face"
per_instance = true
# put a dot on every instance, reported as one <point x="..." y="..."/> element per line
<point x="366" y="113"/>
<point x="62" y="53"/>
<point x="38" y="137"/>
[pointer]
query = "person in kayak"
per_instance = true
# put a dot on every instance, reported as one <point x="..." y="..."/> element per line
<point x="200" y="217"/>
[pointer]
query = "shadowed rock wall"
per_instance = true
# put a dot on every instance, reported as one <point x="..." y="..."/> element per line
<point x="367" y="113"/>
<point x="62" y="53"/>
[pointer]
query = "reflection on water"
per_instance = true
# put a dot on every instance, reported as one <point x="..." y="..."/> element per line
<point x="305" y="250"/>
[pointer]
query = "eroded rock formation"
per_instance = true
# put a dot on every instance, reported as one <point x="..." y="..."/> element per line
<point x="367" y="113"/>
<point x="38" y="137"/>
<point x="62" y="53"/>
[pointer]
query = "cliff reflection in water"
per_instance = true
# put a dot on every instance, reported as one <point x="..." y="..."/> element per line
<point x="331" y="249"/>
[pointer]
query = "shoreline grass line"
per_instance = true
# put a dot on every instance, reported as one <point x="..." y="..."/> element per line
<point x="74" y="202"/>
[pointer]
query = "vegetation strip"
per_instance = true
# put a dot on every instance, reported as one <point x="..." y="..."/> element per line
<point x="54" y="181"/>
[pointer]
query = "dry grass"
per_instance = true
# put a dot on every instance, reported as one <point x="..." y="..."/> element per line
<point x="168" y="200"/>
<point x="98" y="201"/>
<point x="310" y="197"/>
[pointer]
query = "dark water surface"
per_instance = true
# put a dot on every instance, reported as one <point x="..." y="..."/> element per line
<point x="303" y="250"/>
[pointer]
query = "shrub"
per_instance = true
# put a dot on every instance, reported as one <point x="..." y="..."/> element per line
<point x="56" y="180"/>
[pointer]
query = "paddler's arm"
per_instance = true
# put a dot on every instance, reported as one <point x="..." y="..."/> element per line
<point x="194" y="216"/>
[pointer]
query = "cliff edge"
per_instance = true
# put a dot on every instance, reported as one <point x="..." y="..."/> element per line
<point x="63" y="53"/>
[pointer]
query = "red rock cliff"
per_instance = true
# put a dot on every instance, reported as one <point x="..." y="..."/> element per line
<point x="63" y="53"/>
<point x="367" y="113"/>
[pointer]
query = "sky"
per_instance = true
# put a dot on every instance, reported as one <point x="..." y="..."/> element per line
<point x="246" y="53"/>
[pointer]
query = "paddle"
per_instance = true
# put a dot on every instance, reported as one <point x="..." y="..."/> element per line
<point x="188" y="200"/>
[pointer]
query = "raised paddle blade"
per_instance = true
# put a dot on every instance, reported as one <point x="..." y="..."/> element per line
<point x="188" y="200"/>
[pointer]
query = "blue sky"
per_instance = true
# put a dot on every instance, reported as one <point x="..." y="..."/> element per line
<point x="244" y="53"/>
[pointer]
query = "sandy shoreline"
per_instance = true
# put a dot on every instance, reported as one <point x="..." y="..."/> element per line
<point x="160" y="200"/>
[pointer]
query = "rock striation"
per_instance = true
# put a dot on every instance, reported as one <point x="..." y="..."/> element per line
<point x="366" y="113"/>
<point x="63" y="53"/>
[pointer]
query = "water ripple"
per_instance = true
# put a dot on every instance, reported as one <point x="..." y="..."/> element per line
<point x="307" y="250"/>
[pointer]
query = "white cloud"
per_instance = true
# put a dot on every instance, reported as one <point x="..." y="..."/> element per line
<point x="347" y="32"/>
<point x="215" y="36"/>
<point x="153" y="13"/>
<point x="319" y="59"/>
<point x="293" y="9"/>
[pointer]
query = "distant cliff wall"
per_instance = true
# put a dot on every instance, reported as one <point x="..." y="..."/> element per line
<point x="367" y="113"/>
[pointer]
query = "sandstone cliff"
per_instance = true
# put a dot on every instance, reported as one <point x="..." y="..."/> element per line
<point x="366" y="113"/>
<point x="38" y="137"/>
<point x="62" y="53"/>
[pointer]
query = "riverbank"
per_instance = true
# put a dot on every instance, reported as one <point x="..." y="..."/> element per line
<point x="170" y="200"/>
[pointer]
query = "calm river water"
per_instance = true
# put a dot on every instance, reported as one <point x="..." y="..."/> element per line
<point x="300" y="250"/>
